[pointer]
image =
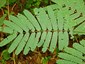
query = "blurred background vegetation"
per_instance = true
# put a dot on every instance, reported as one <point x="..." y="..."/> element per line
<point x="20" y="5"/>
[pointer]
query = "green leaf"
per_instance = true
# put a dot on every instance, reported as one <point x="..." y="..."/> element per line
<point x="79" y="47"/>
<point x="52" y="17"/>
<point x="80" y="29"/>
<point x="70" y="58"/>
<point x="5" y="55"/>
<point x="17" y="22"/>
<point x="73" y="52"/>
<point x="7" y="40"/>
<point x="53" y="41"/>
<point x="73" y="55"/>
<point x="32" y="19"/>
<point x="27" y="25"/>
<point x="43" y="36"/>
<point x="2" y="3"/>
<point x="22" y="44"/>
<point x="34" y="44"/>
<point x="13" y="26"/>
<point x="27" y="47"/>
<point x="47" y="41"/>
<point x="65" y="62"/>
<point x="6" y="30"/>
<point x="2" y="19"/>
<point x="40" y="18"/>
<point x="15" y="43"/>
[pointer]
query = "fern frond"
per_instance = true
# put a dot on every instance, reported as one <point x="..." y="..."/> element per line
<point x="48" y="27"/>
<point x="73" y="14"/>
<point x="8" y="39"/>
<point x="33" y="32"/>
<point x="73" y="55"/>
<point x="80" y="29"/>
